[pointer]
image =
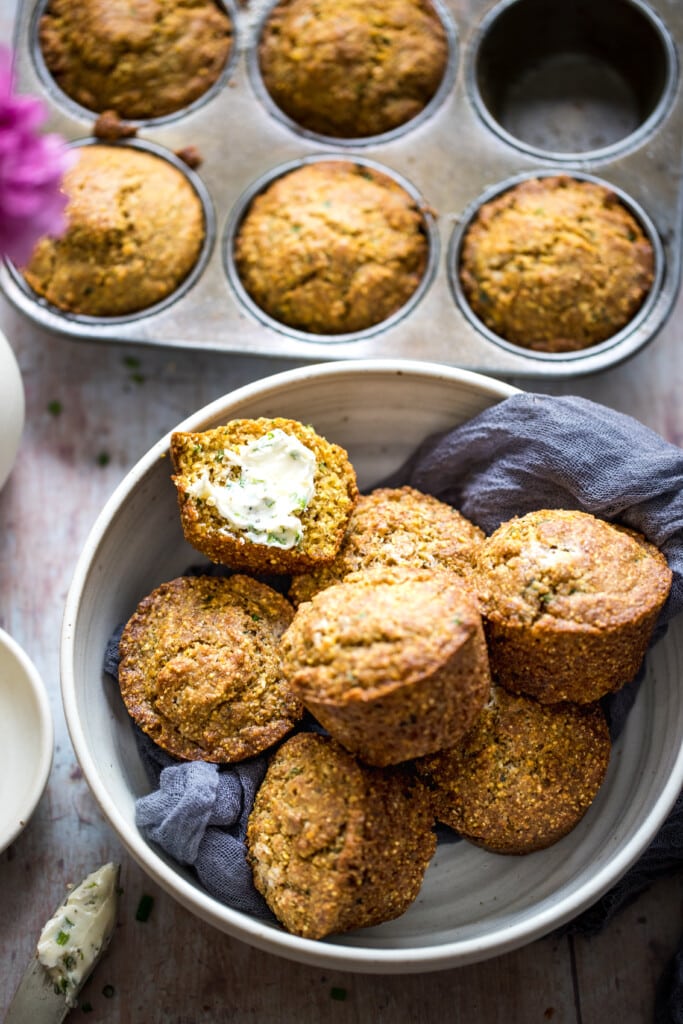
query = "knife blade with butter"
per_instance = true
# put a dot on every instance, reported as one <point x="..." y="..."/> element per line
<point x="70" y="945"/>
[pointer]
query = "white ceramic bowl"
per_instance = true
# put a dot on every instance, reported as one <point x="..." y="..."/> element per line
<point x="11" y="408"/>
<point x="473" y="904"/>
<point x="26" y="738"/>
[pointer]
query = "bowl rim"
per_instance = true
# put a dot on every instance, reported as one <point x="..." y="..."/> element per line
<point x="40" y="742"/>
<point x="262" y="935"/>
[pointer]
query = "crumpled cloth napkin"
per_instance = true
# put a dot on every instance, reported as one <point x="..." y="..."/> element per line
<point x="530" y="451"/>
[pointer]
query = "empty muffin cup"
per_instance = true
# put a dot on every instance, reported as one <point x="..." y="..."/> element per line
<point x="570" y="78"/>
<point x="555" y="264"/>
<point x="139" y="229"/>
<point x="330" y="246"/>
<point x="145" y="62"/>
<point x="353" y="70"/>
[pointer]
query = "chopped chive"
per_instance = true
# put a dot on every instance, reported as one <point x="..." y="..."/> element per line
<point x="338" y="993"/>
<point x="54" y="407"/>
<point x="144" y="907"/>
<point x="86" y="1007"/>
<point x="103" y="459"/>
<point x="132" y="362"/>
<point x="62" y="938"/>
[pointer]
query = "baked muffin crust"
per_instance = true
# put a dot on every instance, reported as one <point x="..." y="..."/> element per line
<point x="142" y="60"/>
<point x="332" y="247"/>
<point x="569" y="603"/>
<point x="392" y="661"/>
<point x="523" y="776"/>
<point x="333" y="844"/>
<point x="556" y="264"/>
<point x="353" y="68"/>
<point x="200" y="670"/>
<point x="397" y="526"/>
<point x="135" y="230"/>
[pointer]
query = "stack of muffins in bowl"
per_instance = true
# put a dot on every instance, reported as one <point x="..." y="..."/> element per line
<point x="397" y="667"/>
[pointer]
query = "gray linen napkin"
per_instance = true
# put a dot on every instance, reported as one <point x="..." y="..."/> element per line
<point x="530" y="451"/>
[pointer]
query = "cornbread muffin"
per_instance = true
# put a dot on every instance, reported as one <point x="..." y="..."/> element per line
<point x="569" y="603"/>
<point x="142" y="60"/>
<point x="200" y="671"/>
<point x="335" y="845"/>
<point x="332" y="247"/>
<point x="523" y="776"/>
<point x="556" y="264"/>
<point x="391" y="661"/>
<point x="397" y="526"/>
<point x="265" y="495"/>
<point x="352" y="68"/>
<point x="135" y="229"/>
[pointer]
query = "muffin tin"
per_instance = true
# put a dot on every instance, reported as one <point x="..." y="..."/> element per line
<point x="578" y="87"/>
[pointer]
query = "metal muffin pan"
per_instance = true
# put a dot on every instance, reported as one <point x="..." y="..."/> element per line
<point x="532" y="87"/>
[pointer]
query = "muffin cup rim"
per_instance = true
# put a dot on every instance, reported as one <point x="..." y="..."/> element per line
<point x="629" y="142"/>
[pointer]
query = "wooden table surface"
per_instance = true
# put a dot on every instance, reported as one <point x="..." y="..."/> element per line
<point x="173" y="968"/>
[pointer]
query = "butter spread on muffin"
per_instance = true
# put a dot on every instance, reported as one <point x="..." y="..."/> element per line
<point x="332" y="247"/>
<point x="142" y="60"/>
<point x="556" y="264"/>
<point x="266" y="495"/>
<point x="135" y="230"/>
<point x="352" y="68"/>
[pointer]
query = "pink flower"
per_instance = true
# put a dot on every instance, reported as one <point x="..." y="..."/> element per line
<point x="31" y="169"/>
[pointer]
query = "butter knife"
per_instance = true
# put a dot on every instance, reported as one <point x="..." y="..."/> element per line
<point x="70" y="945"/>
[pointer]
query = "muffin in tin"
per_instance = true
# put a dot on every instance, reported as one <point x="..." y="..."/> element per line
<point x="200" y="668"/>
<point x="334" y="844"/>
<point x="523" y="776"/>
<point x="569" y="603"/>
<point x="332" y="247"/>
<point x="555" y="264"/>
<point x="135" y="231"/>
<point x="352" y="68"/>
<point x="397" y="526"/>
<point x="143" y="61"/>
<point x="391" y="661"/>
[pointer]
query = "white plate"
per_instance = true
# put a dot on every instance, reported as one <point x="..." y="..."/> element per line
<point x="26" y="738"/>
<point x="473" y="904"/>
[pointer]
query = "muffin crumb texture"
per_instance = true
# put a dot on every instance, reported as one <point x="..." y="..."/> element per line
<point x="200" y="668"/>
<point x="556" y="264"/>
<point x="332" y="247"/>
<point x="353" y="68"/>
<point x="333" y="844"/>
<point x="135" y="230"/>
<point x="142" y="60"/>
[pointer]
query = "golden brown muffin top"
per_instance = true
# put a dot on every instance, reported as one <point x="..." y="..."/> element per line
<point x="135" y="229"/>
<point x="397" y="526"/>
<point x="332" y="247"/>
<point x="524" y="774"/>
<point x="142" y="60"/>
<point x="317" y="838"/>
<point x="353" y="68"/>
<point x="378" y="629"/>
<point x="209" y="455"/>
<point x="565" y="568"/>
<point x="200" y="669"/>
<point x="556" y="264"/>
